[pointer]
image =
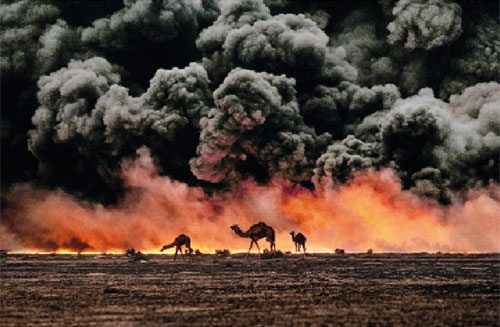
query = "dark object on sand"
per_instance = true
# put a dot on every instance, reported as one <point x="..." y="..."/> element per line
<point x="3" y="254"/>
<point x="110" y="290"/>
<point x="197" y="253"/>
<point x="139" y="257"/>
<point x="271" y="254"/>
<point x="339" y="251"/>
<point x="222" y="253"/>
<point x="130" y="252"/>
<point x="370" y="251"/>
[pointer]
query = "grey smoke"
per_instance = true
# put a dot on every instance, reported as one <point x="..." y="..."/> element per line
<point x="425" y="23"/>
<point x="477" y="59"/>
<point x="338" y="110"/>
<point x="155" y="21"/>
<point x="22" y="23"/>
<point x="290" y="44"/>
<point x="83" y="108"/>
<point x="222" y="91"/>
<point x="256" y="116"/>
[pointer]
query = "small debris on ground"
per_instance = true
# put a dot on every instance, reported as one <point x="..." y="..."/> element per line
<point x="339" y="251"/>
<point x="110" y="290"/>
<point x="222" y="253"/>
<point x="130" y="252"/>
<point x="271" y="255"/>
<point x="139" y="257"/>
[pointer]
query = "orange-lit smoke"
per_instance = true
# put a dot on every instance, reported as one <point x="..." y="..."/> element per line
<point x="371" y="211"/>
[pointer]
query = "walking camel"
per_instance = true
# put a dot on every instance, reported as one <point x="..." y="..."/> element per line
<point x="255" y="233"/>
<point x="181" y="240"/>
<point x="299" y="240"/>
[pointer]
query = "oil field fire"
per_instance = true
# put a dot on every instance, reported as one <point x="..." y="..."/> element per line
<point x="370" y="211"/>
<point x="250" y="162"/>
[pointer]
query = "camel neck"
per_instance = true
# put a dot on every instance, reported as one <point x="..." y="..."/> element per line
<point x="241" y="233"/>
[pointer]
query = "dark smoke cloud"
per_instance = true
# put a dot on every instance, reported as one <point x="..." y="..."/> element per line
<point x="338" y="110"/>
<point x="153" y="21"/>
<point x="85" y="114"/>
<point x="425" y="23"/>
<point x="343" y="158"/>
<point x="221" y="91"/>
<point x="22" y="24"/>
<point x="246" y="35"/>
<point x="256" y="119"/>
<point x="478" y="57"/>
<point x="363" y="36"/>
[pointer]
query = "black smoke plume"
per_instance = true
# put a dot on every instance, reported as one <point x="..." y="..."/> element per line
<point x="220" y="91"/>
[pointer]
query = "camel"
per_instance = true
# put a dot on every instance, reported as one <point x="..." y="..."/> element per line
<point x="299" y="240"/>
<point x="179" y="241"/>
<point x="255" y="233"/>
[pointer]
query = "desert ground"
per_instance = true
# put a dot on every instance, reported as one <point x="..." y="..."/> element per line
<point x="349" y="290"/>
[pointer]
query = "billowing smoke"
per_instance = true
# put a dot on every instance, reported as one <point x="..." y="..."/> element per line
<point x="425" y="23"/>
<point x="256" y="119"/>
<point x="155" y="21"/>
<point x="222" y="98"/>
<point x="477" y="59"/>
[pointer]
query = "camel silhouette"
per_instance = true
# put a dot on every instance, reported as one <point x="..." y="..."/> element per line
<point x="299" y="240"/>
<point x="181" y="240"/>
<point x="255" y="233"/>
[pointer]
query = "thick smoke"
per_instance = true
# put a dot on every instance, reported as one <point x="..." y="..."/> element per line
<point x="338" y="110"/>
<point x="85" y="114"/>
<point x="282" y="44"/>
<point x="478" y="57"/>
<point x="425" y="23"/>
<point x="453" y="146"/>
<point x="155" y="21"/>
<point x="343" y="158"/>
<point x="226" y="92"/>
<point x="256" y="119"/>
<point x="363" y="37"/>
<point x="22" y="24"/>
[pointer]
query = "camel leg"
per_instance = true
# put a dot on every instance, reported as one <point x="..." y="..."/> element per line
<point x="250" y="248"/>
<point x="182" y="254"/>
<point x="188" y="247"/>
<point x="175" y="254"/>
<point x="257" y="244"/>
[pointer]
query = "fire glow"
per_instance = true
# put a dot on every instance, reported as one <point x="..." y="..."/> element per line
<point x="370" y="211"/>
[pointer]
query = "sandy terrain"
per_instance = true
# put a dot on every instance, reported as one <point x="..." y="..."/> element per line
<point x="354" y="290"/>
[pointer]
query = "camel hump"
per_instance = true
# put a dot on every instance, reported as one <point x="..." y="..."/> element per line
<point x="183" y="238"/>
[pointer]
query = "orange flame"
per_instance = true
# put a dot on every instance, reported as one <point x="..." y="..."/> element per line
<point x="371" y="211"/>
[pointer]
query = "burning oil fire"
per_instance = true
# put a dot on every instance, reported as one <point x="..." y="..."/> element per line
<point x="371" y="211"/>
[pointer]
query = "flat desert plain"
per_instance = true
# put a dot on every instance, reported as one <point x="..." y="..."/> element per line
<point x="320" y="289"/>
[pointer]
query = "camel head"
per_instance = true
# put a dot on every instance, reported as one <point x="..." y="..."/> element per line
<point x="238" y="231"/>
<point x="292" y="233"/>
<point x="163" y="248"/>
